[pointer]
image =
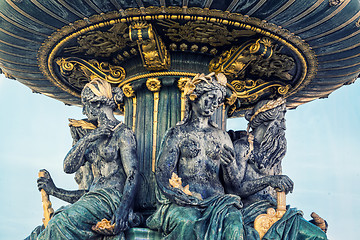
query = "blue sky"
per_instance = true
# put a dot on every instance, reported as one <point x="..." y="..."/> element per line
<point x="322" y="158"/>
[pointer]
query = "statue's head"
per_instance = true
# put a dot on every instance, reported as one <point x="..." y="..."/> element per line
<point x="265" y="112"/>
<point x="267" y="121"/>
<point x="204" y="94"/>
<point x="97" y="94"/>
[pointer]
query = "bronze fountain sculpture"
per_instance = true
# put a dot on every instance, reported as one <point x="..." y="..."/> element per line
<point x="264" y="57"/>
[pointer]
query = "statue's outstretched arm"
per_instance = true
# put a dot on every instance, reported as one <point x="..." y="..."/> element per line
<point x="130" y="163"/>
<point x="166" y="165"/>
<point x="279" y="182"/>
<point x="49" y="187"/>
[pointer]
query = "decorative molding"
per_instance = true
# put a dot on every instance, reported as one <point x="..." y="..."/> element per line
<point x="210" y="18"/>
<point x="134" y="102"/>
<point x="130" y="93"/>
<point x="181" y="85"/>
<point x="154" y="85"/>
<point x="78" y="71"/>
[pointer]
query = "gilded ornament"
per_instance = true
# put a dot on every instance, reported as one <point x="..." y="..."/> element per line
<point x="153" y="84"/>
<point x="128" y="91"/>
<point x="263" y="222"/>
<point x="183" y="47"/>
<point x="233" y="62"/>
<point x="126" y="54"/>
<point x="248" y="91"/>
<point x="201" y="31"/>
<point x="78" y="71"/>
<point x="194" y="48"/>
<point x="81" y="123"/>
<point x="153" y="51"/>
<point x="231" y="100"/>
<point x="262" y="47"/>
<point x="59" y="40"/>
<point x="156" y="74"/>
<point x="48" y="210"/>
<point x="358" y="23"/>
<point x="103" y="44"/>
<point x="284" y="89"/>
<point x="182" y="81"/>
<point x="204" y="49"/>
<point x="319" y="221"/>
<point x="173" y="47"/>
<point x="238" y="85"/>
<point x="133" y="51"/>
<point x="176" y="182"/>
<point x="213" y="51"/>
<point x="103" y="225"/>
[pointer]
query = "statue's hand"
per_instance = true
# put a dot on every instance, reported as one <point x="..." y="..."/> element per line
<point x="281" y="183"/>
<point x="227" y="155"/>
<point x="99" y="132"/>
<point x="121" y="219"/>
<point x="46" y="183"/>
<point x="183" y="199"/>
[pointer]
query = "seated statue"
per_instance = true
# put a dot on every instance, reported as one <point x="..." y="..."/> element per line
<point x="110" y="151"/>
<point x="83" y="176"/>
<point x="259" y="153"/>
<point x="200" y="184"/>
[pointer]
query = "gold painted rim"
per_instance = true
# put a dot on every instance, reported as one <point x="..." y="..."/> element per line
<point x="58" y="39"/>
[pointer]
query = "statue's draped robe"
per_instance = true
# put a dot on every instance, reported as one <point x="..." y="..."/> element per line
<point x="221" y="217"/>
<point x="75" y="221"/>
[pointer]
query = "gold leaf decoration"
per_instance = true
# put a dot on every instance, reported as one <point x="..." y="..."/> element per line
<point x="153" y="84"/>
<point x="175" y="182"/>
<point x="128" y="91"/>
<point x="81" y="123"/>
